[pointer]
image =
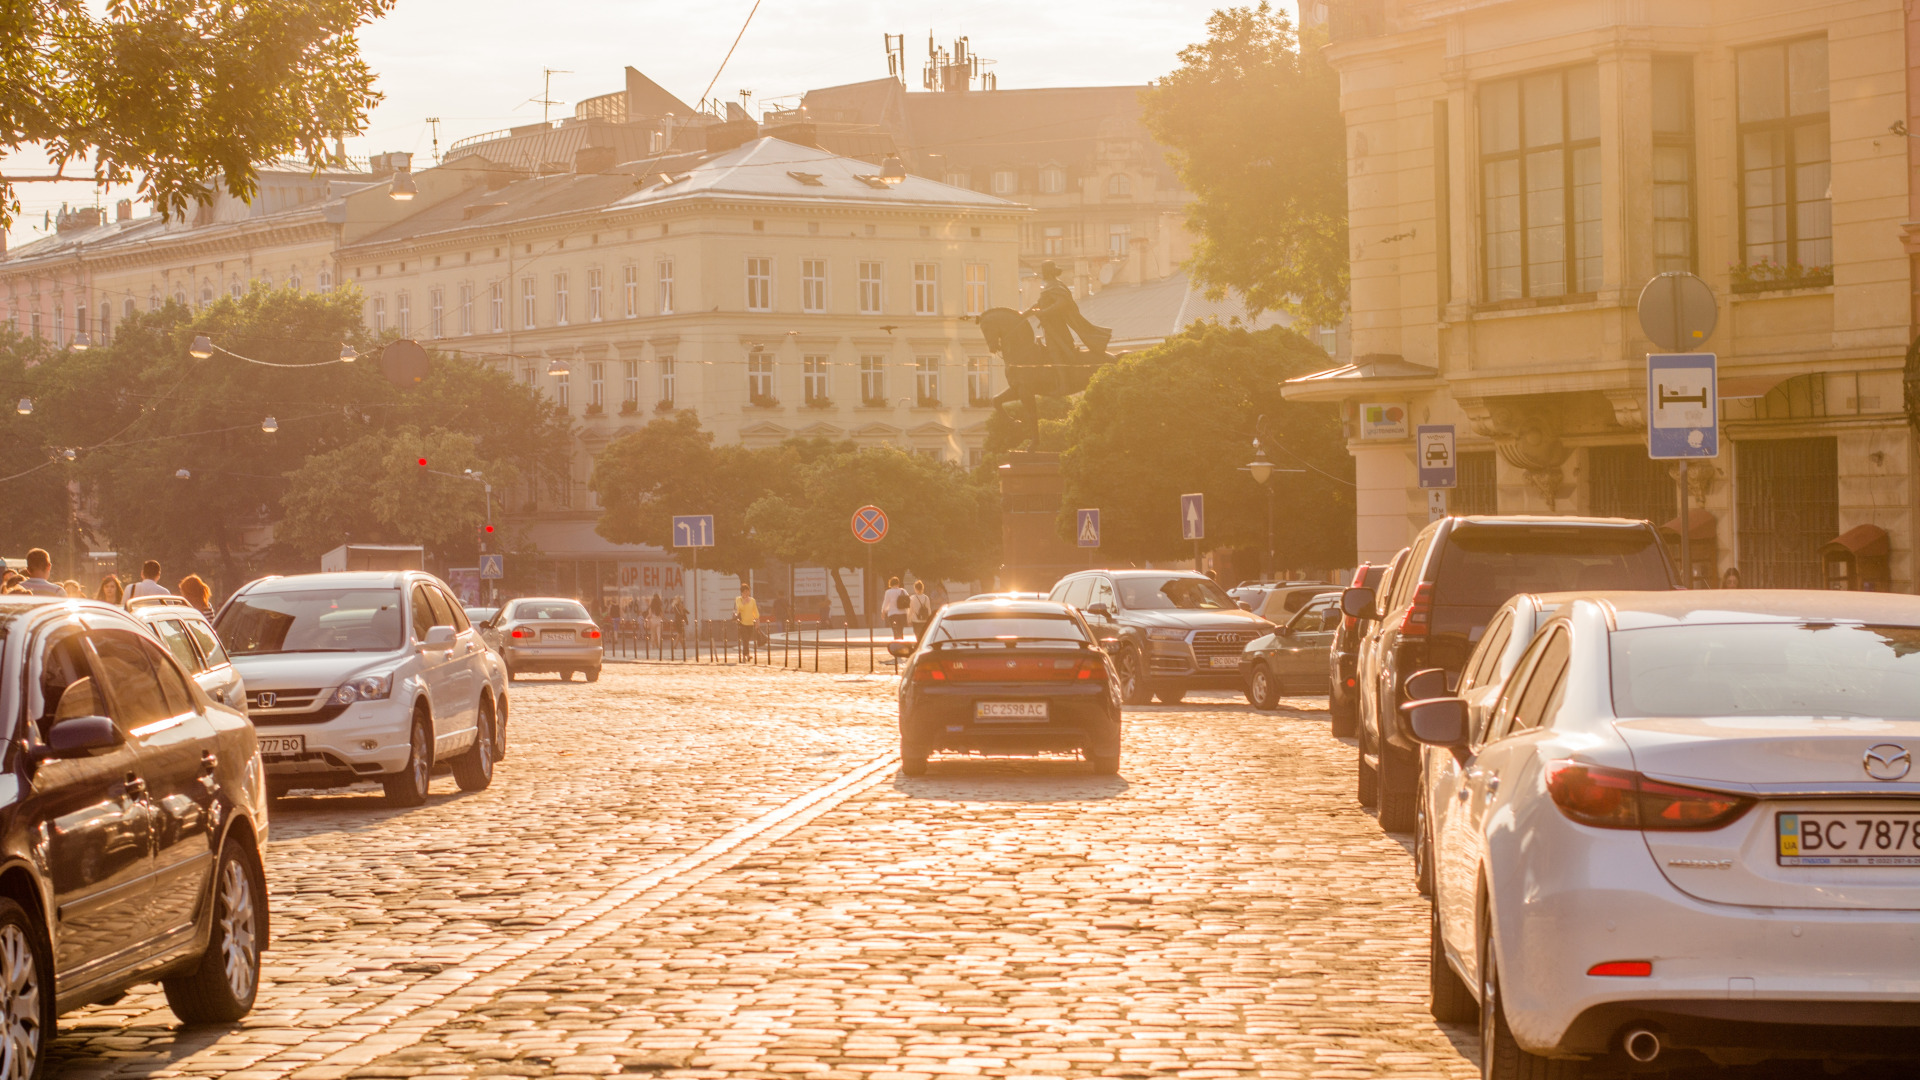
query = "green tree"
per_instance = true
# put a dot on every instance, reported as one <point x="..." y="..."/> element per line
<point x="1252" y="119"/>
<point x="943" y="523"/>
<point x="180" y="95"/>
<point x="373" y="490"/>
<point x="1180" y="418"/>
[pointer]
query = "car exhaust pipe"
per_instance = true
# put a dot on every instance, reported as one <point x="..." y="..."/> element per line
<point x="1641" y="1044"/>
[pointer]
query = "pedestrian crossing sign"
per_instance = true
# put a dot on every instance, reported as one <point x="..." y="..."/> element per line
<point x="1087" y="528"/>
<point x="493" y="567"/>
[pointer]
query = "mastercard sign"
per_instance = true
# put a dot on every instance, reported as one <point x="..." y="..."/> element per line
<point x="1382" y="421"/>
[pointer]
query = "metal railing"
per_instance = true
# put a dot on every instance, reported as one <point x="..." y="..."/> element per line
<point x="796" y="646"/>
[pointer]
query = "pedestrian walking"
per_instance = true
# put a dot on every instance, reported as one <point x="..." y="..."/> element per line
<point x="677" y="619"/>
<point x="920" y="610"/>
<point x="39" y="569"/>
<point x="149" y="583"/>
<point x="894" y="605"/>
<point x="1730" y="579"/>
<point x="73" y="589"/>
<point x="747" y="612"/>
<point x="656" y="621"/>
<point x="197" y="593"/>
<point x="111" y="591"/>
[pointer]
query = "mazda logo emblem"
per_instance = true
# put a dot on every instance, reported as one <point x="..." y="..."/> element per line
<point x="1887" y="761"/>
<point x="264" y="699"/>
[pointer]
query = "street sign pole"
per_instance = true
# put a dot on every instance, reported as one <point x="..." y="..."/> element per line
<point x="1683" y="422"/>
<point x="1686" y="540"/>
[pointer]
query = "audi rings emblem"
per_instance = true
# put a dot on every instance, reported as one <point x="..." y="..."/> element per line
<point x="1887" y="761"/>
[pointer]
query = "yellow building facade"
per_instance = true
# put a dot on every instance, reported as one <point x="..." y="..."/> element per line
<point x="1519" y="169"/>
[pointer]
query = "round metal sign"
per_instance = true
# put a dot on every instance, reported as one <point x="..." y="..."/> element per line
<point x="869" y="524"/>
<point x="1678" y="311"/>
<point x="404" y="363"/>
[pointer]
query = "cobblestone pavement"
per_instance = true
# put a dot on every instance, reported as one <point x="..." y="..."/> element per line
<point x="708" y="872"/>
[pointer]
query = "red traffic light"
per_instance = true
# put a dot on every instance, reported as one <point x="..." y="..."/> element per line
<point x="423" y="463"/>
<point x="486" y="528"/>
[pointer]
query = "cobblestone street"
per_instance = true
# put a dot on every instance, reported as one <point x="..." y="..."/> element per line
<point x="699" y="871"/>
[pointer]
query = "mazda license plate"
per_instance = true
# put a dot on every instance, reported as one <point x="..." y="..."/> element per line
<point x="1009" y="712"/>
<point x="1843" y="838"/>
<point x="1223" y="661"/>
<point x="282" y="744"/>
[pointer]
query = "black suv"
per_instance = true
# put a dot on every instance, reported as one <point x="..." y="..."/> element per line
<point x="1455" y="576"/>
<point x="132" y="816"/>
<point x="1168" y="631"/>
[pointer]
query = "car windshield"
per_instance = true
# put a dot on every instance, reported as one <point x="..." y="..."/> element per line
<point x="996" y="627"/>
<point x="352" y="620"/>
<point x="531" y="610"/>
<point x="1482" y="567"/>
<point x="1169" y="593"/>
<point x="1767" y="669"/>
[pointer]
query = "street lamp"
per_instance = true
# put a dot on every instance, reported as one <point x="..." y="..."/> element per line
<point x="202" y="347"/>
<point x="557" y="366"/>
<point x="269" y="425"/>
<point x="1262" y="470"/>
<point x="25" y="408"/>
<point x="81" y="342"/>
<point x="403" y="189"/>
<point x="348" y="355"/>
<point x="182" y="474"/>
<point x="893" y="170"/>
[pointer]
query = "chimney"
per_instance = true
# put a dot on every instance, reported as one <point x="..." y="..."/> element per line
<point x="123" y="210"/>
<point x="594" y="159"/>
<point x="729" y="134"/>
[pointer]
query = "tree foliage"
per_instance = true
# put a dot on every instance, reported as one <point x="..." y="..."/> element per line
<point x="180" y="95"/>
<point x="1180" y="418"/>
<point x="373" y="491"/>
<point x="1253" y="121"/>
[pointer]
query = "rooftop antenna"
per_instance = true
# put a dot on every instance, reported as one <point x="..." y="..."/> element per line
<point x="545" y="100"/>
<point x="435" y="121"/>
<point x="896" y="55"/>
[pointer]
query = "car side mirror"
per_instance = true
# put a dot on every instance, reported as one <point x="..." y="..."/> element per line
<point x="1244" y="606"/>
<point x="1103" y="610"/>
<point x="78" y="737"/>
<point x="1358" y="602"/>
<point x="1440" y="722"/>
<point x="440" y="635"/>
<point x="1284" y="631"/>
<point x="1427" y="683"/>
<point x="900" y="649"/>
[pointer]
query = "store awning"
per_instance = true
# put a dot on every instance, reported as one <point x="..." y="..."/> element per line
<point x="1749" y="386"/>
<point x="1701" y="525"/>
<point x="1864" y="541"/>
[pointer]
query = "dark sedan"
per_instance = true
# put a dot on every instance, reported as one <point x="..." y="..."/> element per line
<point x="132" y="814"/>
<point x="1008" y="677"/>
<point x="1292" y="659"/>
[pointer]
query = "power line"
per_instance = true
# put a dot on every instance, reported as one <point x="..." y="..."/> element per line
<point x="729" y="56"/>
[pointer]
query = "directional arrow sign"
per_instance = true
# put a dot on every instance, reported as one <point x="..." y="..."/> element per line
<point x="1193" y="517"/>
<point x="493" y="567"/>
<point x="693" y="530"/>
<point x="1087" y="527"/>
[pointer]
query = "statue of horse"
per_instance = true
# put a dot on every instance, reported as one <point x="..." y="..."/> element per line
<point x="1031" y="371"/>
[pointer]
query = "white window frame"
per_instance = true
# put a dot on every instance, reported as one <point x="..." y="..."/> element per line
<point x="560" y="299"/>
<point x="926" y="381"/>
<point x="597" y="384"/>
<point x="563" y="390"/>
<point x="593" y="295"/>
<point x="631" y="387"/>
<point x="665" y="269"/>
<point x="529" y="304"/>
<point x="436" y="312"/>
<point x="977" y="294"/>
<point x="760" y="377"/>
<point x="667" y="379"/>
<point x="466" y="311"/>
<point x="379" y="316"/>
<point x="979" y="381"/>
<point x="926" y="288"/>
<point x="498" y="303"/>
<point x="630" y="283"/>
<point x="813" y="286"/>
<point x="873" y="380"/>
<point x="403" y="312"/>
<point x="759" y="282"/>
<point x="815" y="375"/>
<point x="872" y="288"/>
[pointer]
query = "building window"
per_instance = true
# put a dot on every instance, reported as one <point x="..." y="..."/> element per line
<point x="127" y="309"/>
<point x="153" y="299"/>
<point x="976" y="456"/>
<point x="497" y="304"/>
<point x="1673" y="164"/>
<point x="1330" y="339"/>
<point x="1118" y="238"/>
<point x="666" y="286"/>
<point x="976" y="288"/>
<point x="1119" y="184"/>
<point x="1786" y="215"/>
<point x="527" y="307"/>
<point x="759" y="283"/>
<point x="630" y="287"/>
<point x="1005" y="182"/>
<point x="1479" y="489"/>
<point x="926" y="381"/>
<point x="403" y="311"/>
<point x="293" y="281"/>
<point x="760" y="379"/>
<point x="1540" y="168"/>
<point x="813" y="285"/>
<point x="1053" y="240"/>
<point x="326" y="280"/>
<point x="959" y="180"/>
<point x="466" y="310"/>
<point x="593" y="296"/>
<point x="1053" y="181"/>
<point x="560" y="306"/>
<point x="630" y="389"/>
<point x="563" y="390"/>
<point x="59" y="325"/>
<point x="436" y="304"/>
<point x="979" y="381"/>
<point x="666" y="382"/>
<point x="79" y="319"/>
<point x="873" y="380"/>
<point x="926" y="288"/>
<point x="379" y="314"/>
<point x="869" y="288"/>
<point x="234" y="288"/>
<point x="206" y="293"/>
<point x="814" y="378"/>
<point x="597" y="385"/>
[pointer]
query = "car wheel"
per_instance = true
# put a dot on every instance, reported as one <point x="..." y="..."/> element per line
<point x="1451" y="1002"/>
<point x="408" y="787"/>
<point x="1261" y="693"/>
<point x="1398" y="789"/>
<point x="1133" y="679"/>
<point x="1366" y="786"/>
<point x="1170" y="697"/>
<point x="593" y="674"/>
<point x="1104" y="764"/>
<point x="913" y="763"/>
<point x="473" y="770"/>
<point x="500" y="714"/>
<point x="221" y="989"/>
<point x="26" y="993"/>
<point x="1501" y="1058"/>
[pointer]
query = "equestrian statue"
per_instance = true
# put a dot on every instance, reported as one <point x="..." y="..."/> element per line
<point x="1053" y="367"/>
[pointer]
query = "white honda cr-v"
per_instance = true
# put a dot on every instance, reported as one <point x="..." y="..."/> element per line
<point x="361" y="676"/>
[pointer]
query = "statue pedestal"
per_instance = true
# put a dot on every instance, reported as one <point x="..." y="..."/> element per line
<point x="1035" y="555"/>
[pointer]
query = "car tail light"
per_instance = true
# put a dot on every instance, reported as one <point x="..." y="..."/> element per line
<point x="1091" y="671"/>
<point x="1632" y="969"/>
<point x="593" y="633"/>
<point x="1419" y="617"/>
<point x="929" y="670"/>
<point x="517" y="632"/>
<point x="1617" y="799"/>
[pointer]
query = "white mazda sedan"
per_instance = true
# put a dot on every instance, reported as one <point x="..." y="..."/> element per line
<point x="1690" y="827"/>
<point x="366" y="676"/>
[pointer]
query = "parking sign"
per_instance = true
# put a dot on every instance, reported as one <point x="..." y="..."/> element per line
<point x="1683" y="406"/>
<point x="1438" y="467"/>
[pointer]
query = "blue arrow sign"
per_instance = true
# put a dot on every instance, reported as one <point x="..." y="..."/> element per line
<point x="693" y="530"/>
<point x="1087" y="528"/>
<point x="493" y="567"/>
<point x="1683" y="406"/>
<point x="1193" y="517"/>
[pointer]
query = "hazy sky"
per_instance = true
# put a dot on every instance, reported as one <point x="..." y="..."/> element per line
<point x="476" y="63"/>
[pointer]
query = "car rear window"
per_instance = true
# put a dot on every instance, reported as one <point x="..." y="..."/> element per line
<point x="1767" y="669"/>
<point x="988" y="626"/>
<point x="1482" y="568"/>
<point x="529" y="611"/>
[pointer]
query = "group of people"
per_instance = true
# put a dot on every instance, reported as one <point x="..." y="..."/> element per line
<point x="658" y="618"/>
<point x="902" y="607"/>
<point x="38" y="581"/>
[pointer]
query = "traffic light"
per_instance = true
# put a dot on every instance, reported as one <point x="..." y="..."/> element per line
<point x="487" y="528"/>
<point x="423" y="463"/>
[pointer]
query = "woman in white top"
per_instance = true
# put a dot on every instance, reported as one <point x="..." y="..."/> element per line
<point x="894" y="606"/>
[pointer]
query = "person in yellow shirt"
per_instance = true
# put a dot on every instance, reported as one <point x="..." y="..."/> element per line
<point x="747" y="612"/>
